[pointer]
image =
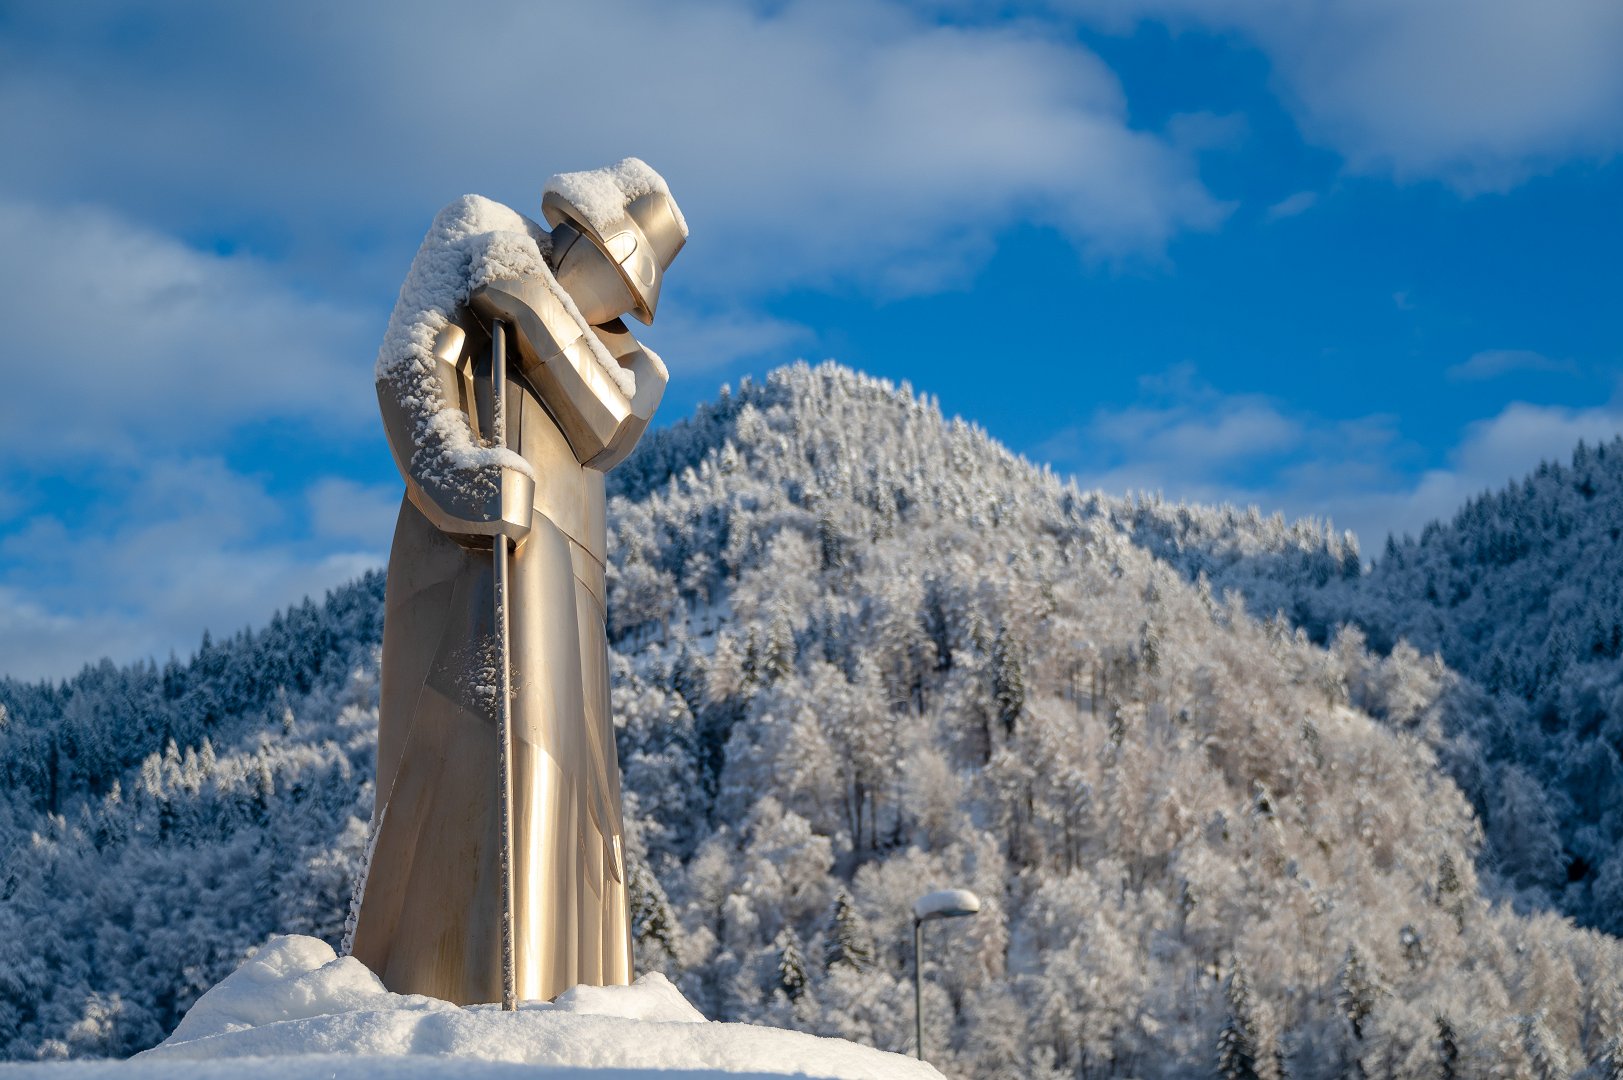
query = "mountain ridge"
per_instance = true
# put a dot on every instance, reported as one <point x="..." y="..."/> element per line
<point x="860" y="649"/>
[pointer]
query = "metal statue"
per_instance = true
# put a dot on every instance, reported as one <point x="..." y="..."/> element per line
<point x="508" y="386"/>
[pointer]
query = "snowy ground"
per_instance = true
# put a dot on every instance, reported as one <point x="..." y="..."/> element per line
<point x="296" y="1010"/>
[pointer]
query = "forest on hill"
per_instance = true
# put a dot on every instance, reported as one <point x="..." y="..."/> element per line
<point x="1228" y="810"/>
<point x="1520" y="597"/>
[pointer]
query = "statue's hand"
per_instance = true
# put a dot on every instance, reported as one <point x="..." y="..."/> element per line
<point x="484" y="499"/>
<point x="467" y="491"/>
<point x="517" y="504"/>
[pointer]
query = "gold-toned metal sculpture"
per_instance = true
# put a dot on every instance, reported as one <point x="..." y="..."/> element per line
<point x="497" y="869"/>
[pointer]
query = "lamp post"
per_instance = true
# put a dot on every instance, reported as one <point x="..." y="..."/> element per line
<point x="943" y="904"/>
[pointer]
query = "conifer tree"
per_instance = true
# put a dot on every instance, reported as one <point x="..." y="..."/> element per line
<point x="791" y="964"/>
<point x="1448" y="1049"/>
<point x="651" y="918"/>
<point x="1449" y="896"/>
<point x="1545" y="1058"/>
<point x="1413" y="945"/>
<point x="778" y="659"/>
<point x="1008" y="680"/>
<point x="1356" y="990"/>
<point x="1609" y="1062"/>
<point x="1237" y="1051"/>
<point x="847" y="940"/>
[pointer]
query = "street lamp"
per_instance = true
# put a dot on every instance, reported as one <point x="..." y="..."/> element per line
<point x="942" y="904"/>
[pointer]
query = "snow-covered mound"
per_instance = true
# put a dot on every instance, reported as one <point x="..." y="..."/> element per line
<point x="298" y="1010"/>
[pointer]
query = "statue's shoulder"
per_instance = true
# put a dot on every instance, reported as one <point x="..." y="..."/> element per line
<point x="475" y="215"/>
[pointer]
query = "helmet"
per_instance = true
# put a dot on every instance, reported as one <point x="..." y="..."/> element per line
<point x="640" y="241"/>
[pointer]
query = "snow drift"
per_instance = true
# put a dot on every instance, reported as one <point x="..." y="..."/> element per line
<point x="296" y="1009"/>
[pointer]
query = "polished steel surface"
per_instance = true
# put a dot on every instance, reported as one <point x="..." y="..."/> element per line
<point x="586" y="404"/>
<point x="431" y="916"/>
<point x="593" y="282"/>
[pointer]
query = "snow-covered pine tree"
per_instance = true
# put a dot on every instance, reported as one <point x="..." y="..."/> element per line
<point x="1609" y="1062"/>
<point x="653" y="924"/>
<point x="1356" y="990"/>
<point x="1447" y="1045"/>
<point x="1008" y="680"/>
<point x="847" y="940"/>
<point x="1237" y="1049"/>
<point x="791" y="968"/>
<point x="1544" y="1057"/>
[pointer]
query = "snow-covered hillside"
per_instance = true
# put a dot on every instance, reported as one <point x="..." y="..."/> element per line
<point x="1520" y="594"/>
<point x="861" y="653"/>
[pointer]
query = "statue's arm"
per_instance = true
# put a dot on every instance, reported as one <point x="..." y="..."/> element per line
<point x="651" y="377"/>
<point x="557" y="355"/>
<point x="466" y="489"/>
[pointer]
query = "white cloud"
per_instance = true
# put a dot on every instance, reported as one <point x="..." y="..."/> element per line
<point x="1201" y="131"/>
<point x="1478" y="93"/>
<point x="1490" y="454"/>
<point x="186" y="544"/>
<point x="806" y="141"/>
<point x="131" y="359"/>
<point x="1182" y="430"/>
<point x="1238" y="430"/>
<point x="1513" y="442"/>
<point x="1189" y="441"/>
<point x="1492" y="363"/>
<point x="1292" y="205"/>
<point x="122" y="342"/>
<point x="37" y="643"/>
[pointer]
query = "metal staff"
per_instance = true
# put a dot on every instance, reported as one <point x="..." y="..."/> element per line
<point x="504" y="679"/>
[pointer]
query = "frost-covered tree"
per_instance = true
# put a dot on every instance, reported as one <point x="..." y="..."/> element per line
<point x="1609" y="1062"/>
<point x="847" y="940"/>
<point x="1237" y="1047"/>
<point x="791" y="968"/>
<point x="653" y="925"/>
<point x="1008" y="680"/>
<point x="1448" y="1049"/>
<point x="1543" y="1054"/>
<point x="1515" y="593"/>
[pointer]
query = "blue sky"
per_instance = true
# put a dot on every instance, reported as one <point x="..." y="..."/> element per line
<point x="1355" y="259"/>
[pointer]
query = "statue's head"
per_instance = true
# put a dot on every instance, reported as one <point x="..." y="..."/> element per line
<point x="615" y="231"/>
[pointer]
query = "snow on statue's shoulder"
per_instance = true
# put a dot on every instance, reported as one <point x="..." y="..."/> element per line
<point x="295" y="1010"/>
<point x="472" y="242"/>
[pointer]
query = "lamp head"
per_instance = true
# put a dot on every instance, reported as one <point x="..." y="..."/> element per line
<point x="946" y="904"/>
